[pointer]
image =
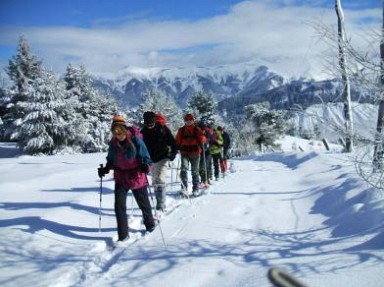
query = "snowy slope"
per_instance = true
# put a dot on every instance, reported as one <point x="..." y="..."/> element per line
<point x="307" y="212"/>
<point x="328" y="120"/>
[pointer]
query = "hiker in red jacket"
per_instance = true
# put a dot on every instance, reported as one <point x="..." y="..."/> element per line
<point x="189" y="139"/>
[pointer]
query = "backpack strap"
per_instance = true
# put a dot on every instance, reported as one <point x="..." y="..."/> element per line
<point x="189" y="136"/>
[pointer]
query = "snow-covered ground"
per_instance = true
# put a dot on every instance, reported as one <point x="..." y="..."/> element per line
<point x="305" y="211"/>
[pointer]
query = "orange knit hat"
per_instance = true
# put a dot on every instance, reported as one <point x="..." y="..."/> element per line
<point x="118" y="120"/>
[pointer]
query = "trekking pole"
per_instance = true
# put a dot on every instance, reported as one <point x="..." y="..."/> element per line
<point x="178" y="172"/>
<point x="153" y="203"/>
<point x="101" y="192"/>
<point x="170" y="166"/>
<point x="131" y="206"/>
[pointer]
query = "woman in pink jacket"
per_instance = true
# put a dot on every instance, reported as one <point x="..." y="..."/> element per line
<point x="130" y="161"/>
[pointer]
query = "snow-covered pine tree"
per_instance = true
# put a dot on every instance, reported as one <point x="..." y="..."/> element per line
<point x="23" y="69"/>
<point x="43" y="129"/>
<point x="93" y="111"/>
<point x="4" y="100"/>
<point x="245" y="142"/>
<point x="99" y="117"/>
<point x="2" y="94"/>
<point x="203" y="106"/>
<point x="159" y="103"/>
<point x="268" y="124"/>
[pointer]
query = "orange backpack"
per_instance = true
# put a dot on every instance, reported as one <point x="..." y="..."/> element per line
<point x="160" y="119"/>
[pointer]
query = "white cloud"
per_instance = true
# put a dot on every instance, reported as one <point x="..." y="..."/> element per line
<point x="251" y="30"/>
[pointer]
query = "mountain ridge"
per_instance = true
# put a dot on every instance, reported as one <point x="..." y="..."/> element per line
<point x="233" y="86"/>
<point x="223" y="82"/>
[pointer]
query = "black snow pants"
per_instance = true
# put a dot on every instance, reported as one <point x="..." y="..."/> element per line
<point x="142" y="200"/>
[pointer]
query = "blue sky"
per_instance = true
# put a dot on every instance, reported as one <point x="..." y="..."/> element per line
<point x="107" y="35"/>
<point x="83" y="13"/>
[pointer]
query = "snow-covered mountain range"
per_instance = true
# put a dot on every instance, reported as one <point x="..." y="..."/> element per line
<point x="234" y="86"/>
<point x="223" y="82"/>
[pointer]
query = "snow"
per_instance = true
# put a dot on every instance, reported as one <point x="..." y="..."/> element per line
<point x="307" y="212"/>
<point x="189" y="76"/>
<point x="328" y="119"/>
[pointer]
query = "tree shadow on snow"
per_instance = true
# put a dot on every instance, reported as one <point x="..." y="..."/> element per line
<point x="95" y="189"/>
<point x="349" y="213"/>
<point x="340" y="243"/>
<point x="34" y="224"/>
<point x="51" y="205"/>
<point x="292" y="161"/>
<point x="9" y="150"/>
<point x="298" y="252"/>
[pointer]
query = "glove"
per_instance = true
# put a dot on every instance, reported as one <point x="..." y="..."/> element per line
<point x="102" y="170"/>
<point x="144" y="167"/>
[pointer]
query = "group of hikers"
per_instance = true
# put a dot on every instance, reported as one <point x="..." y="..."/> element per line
<point x="133" y="153"/>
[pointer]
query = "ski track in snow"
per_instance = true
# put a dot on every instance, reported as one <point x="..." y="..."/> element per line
<point x="100" y="258"/>
<point x="225" y="236"/>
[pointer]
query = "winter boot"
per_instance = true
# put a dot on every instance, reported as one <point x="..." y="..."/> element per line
<point x="160" y="198"/>
<point x="195" y="188"/>
<point x="183" y="191"/>
<point x="195" y="192"/>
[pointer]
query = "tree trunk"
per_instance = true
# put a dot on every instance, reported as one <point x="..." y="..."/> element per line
<point x="345" y="79"/>
<point x="378" y="150"/>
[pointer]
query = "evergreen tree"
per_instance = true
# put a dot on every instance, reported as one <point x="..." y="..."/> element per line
<point x="75" y="124"/>
<point x="78" y="82"/>
<point x="99" y="119"/>
<point x="23" y="69"/>
<point x="43" y="129"/>
<point x="93" y="112"/>
<point x="203" y="106"/>
<point x="4" y="100"/>
<point x="247" y="139"/>
<point x="159" y="103"/>
<point x="268" y="124"/>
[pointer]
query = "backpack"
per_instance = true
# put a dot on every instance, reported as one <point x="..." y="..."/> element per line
<point x="135" y="131"/>
<point x="160" y="118"/>
<point x="183" y="135"/>
<point x="189" y="148"/>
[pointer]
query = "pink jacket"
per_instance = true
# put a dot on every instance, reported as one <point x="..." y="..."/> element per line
<point x="125" y="162"/>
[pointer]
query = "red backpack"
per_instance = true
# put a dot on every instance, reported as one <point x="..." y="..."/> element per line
<point x="161" y="119"/>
